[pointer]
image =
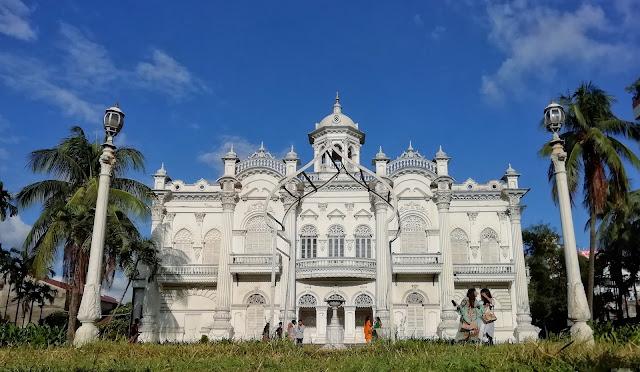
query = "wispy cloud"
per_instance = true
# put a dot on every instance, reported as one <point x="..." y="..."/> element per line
<point x="165" y="74"/>
<point x="14" y="20"/>
<point x="85" y="71"/>
<point x="437" y="32"/>
<point x="417" y="20"/>
<point x="537" y="39"/>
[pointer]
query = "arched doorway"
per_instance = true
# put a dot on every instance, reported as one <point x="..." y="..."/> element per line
<point x="415" y="315"/>
<point x="307" y="310"/>
<point x="364" y="309"/>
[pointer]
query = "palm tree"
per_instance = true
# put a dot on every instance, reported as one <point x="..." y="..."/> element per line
<point x="5" y="204"/>
<point x="46" y="294"/>
<point x="591" y="140"/>
<point x="69" y="200"/>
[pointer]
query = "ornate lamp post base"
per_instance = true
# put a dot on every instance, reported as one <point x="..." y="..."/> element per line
<point x="88" y="313"/>
<point x="448" y="327"/>
<point x="525" y="332"/>
<point x="335" y="332"/>
<point x="221" y="328"/>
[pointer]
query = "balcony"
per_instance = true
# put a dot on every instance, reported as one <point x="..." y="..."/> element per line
<point x="188" y="274"/>
<point x="484" y="272"/>
<point x="253" y="263"/>
<point x="427" y="263"/>
<point x="335" y="267"/>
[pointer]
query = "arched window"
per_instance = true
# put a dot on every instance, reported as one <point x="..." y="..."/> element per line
<point x="363" y="241"/>
<point x="415" y="315"/>
<point x="308" y="241"/>
<point x="459" y="246"/>
<point x="255" y="315"/>
<point x="258" y="239"/>
<point x="414" y="234"/>
<point x="489" y="248"/>
<point x="336" y="241"/>
<point x="211" y="250"/>
<point x="183" y="241"/>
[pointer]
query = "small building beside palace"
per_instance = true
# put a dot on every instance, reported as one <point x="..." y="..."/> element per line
<point x="215" y="277"/>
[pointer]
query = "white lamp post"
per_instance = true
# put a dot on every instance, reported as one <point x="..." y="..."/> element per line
<point x="578" y="309"/>
<point x="90" y="310"/>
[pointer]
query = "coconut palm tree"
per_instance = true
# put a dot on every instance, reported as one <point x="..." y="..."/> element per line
<point x="69" y="200"/>
<point x="5" y="204"/>
<point x="595" y="154"/>
<point x="46" y="294"/>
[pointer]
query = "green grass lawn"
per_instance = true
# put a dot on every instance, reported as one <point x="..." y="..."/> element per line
<point x="381" y="356"/>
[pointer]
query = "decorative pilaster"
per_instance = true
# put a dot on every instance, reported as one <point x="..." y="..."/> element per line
<point x="221" y="328"/>
<point x="448" y="326"/>
<point x="197" y="246"/>
<point x="474" y="244"/>
<point x="383" y="268"/>
<point x="168" y="229"/>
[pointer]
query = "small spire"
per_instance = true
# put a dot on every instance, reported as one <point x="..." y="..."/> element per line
<point x="231" y="148"/>
<point x="162" y="167"/>
<point x="292" y="148"/>
<point x="510" y="170"/>
<point x="337" y="98"/>
<point x="380" y="149"/>
<point x="117" y="105"/>
<point x="440" y="153"/>
<point x="553" y="100"/>
<point x="261" y="146"/>
<point x="410" y="147"/>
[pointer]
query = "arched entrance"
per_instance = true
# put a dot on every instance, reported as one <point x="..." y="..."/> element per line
<point x="364" y="309"/>
<point x="415" y="315"/>
<point x="255" y="316"/>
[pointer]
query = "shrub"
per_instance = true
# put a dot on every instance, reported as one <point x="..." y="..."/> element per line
<point x="608" y="332"/>
<point x="118" y="327"/>
<point x="32" y="335"/>
<point x="58" y="319"/>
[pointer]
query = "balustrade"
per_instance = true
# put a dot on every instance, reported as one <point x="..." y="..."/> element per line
<point x="274" y="164"/>
<point x="410" y="163"/>
<point x="483" y="269"/>
<point x="336" y="267"/>
<point x="188" y="273"/>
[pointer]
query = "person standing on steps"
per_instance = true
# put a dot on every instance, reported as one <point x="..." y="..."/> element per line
<point x="368" y="330"/>
<point x="292" y="329"/>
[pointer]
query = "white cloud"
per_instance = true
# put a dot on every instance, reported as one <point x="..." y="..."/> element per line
<point x="437" y="32"/>
<point x="38" y="82"/>
<point x="165" y="74"/>
<point x="538" y="41"/>
<point x="241" y="146"/>
<point x="13" y="232"/>
<point x="14" y="20"/>
<point x="87" y="64"/>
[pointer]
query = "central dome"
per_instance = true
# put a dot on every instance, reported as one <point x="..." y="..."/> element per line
<point x="337" y="118"/>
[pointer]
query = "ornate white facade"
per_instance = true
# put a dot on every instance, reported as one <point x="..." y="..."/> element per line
<point x="215" y="278"/>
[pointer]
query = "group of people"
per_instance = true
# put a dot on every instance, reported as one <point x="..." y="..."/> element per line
<point x="295" y="331"/>
<point x="476" y="317"/>
<point x="371" y="331"/>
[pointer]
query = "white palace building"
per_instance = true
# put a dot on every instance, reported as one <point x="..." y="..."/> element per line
<point x="216" y="273"/>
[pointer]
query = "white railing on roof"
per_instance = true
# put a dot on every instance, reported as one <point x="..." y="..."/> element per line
<point x="411" y="163"/>
<point x="274" y="164"/>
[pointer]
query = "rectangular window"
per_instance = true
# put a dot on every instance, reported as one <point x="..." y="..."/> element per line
<point x="309" y="247"/>
<point x="363" y="247"/>
<point x="336" y="247"/>
<point x="414" y="242"/>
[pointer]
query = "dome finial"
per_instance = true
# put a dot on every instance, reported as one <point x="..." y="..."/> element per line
<point x="440" y="153"/>
<point x="162" y="166"/>
<point x="292" y="148"/>
<point x="337" y="98"/>
<point x="410" y="147"/>
<point x="261" y="146"/>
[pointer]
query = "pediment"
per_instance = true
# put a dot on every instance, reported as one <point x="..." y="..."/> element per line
<point x="309" y="214"/>
<point x="362" y="213"/>
<point x="336" y="214"/>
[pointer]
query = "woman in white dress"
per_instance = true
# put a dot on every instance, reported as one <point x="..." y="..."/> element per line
<point x="488" y="329"/>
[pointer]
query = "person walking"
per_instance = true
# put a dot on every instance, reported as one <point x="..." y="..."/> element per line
<point x="279" y="330"/>
<point x="265" y="332"/>
<point x="300" y="332"/>
<point x="488" y="330"/>
<point x="368" y="330"/>
<point x="291" y="331"/>
<point x="470" y="317"/>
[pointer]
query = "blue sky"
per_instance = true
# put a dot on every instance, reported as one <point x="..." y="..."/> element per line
<point x="472" y="76"/>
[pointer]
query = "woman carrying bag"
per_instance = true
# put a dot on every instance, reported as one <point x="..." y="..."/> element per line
<point x="488" y="317"/>
<point x="470" y="317"/>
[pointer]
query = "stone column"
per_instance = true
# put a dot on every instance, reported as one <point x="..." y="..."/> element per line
<point x="321" y="324"/>
<point x="383" y="268"/>
<point x="288" y="277"/>
<point x="168" y="230"/>
<point x="448" y="326"/>
<point x="151" y="299"/>
<point x="197" y="246"/>
<point x="524" y="330"/>
<point x="222" y="328"/>
<point x="350" y="324"/>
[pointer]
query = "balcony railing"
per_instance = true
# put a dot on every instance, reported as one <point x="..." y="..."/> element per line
<point x="189" y="273"/>
<point x="336" y="267"/>
<point x="426" y="263"/>
<point x="253" y="263"/>
<point x="484" y="272"/>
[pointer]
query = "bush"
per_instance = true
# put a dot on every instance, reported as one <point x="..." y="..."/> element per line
<point x="58" y="319"/>
<point x="118" y="327"/>
<point x="32" y="335"/>
<point x="608" y="332"/>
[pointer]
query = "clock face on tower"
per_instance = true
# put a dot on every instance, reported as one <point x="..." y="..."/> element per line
<point x="336" y="119"/>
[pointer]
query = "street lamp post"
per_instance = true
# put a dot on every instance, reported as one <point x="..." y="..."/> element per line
<point x="578" y="310"/>
<point x="90" y="310"/>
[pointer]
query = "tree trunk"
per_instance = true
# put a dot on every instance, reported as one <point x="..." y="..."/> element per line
<point x="123" y="294"/>
<point x="635" y="294"/>
<point x="40" y="319"/>
<point x="74" y="306"/>
<point x="592" y="259"/>
<point x="15" y="321"/>
<point x="31" y="311"/>
<point x="6" y="305"/>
